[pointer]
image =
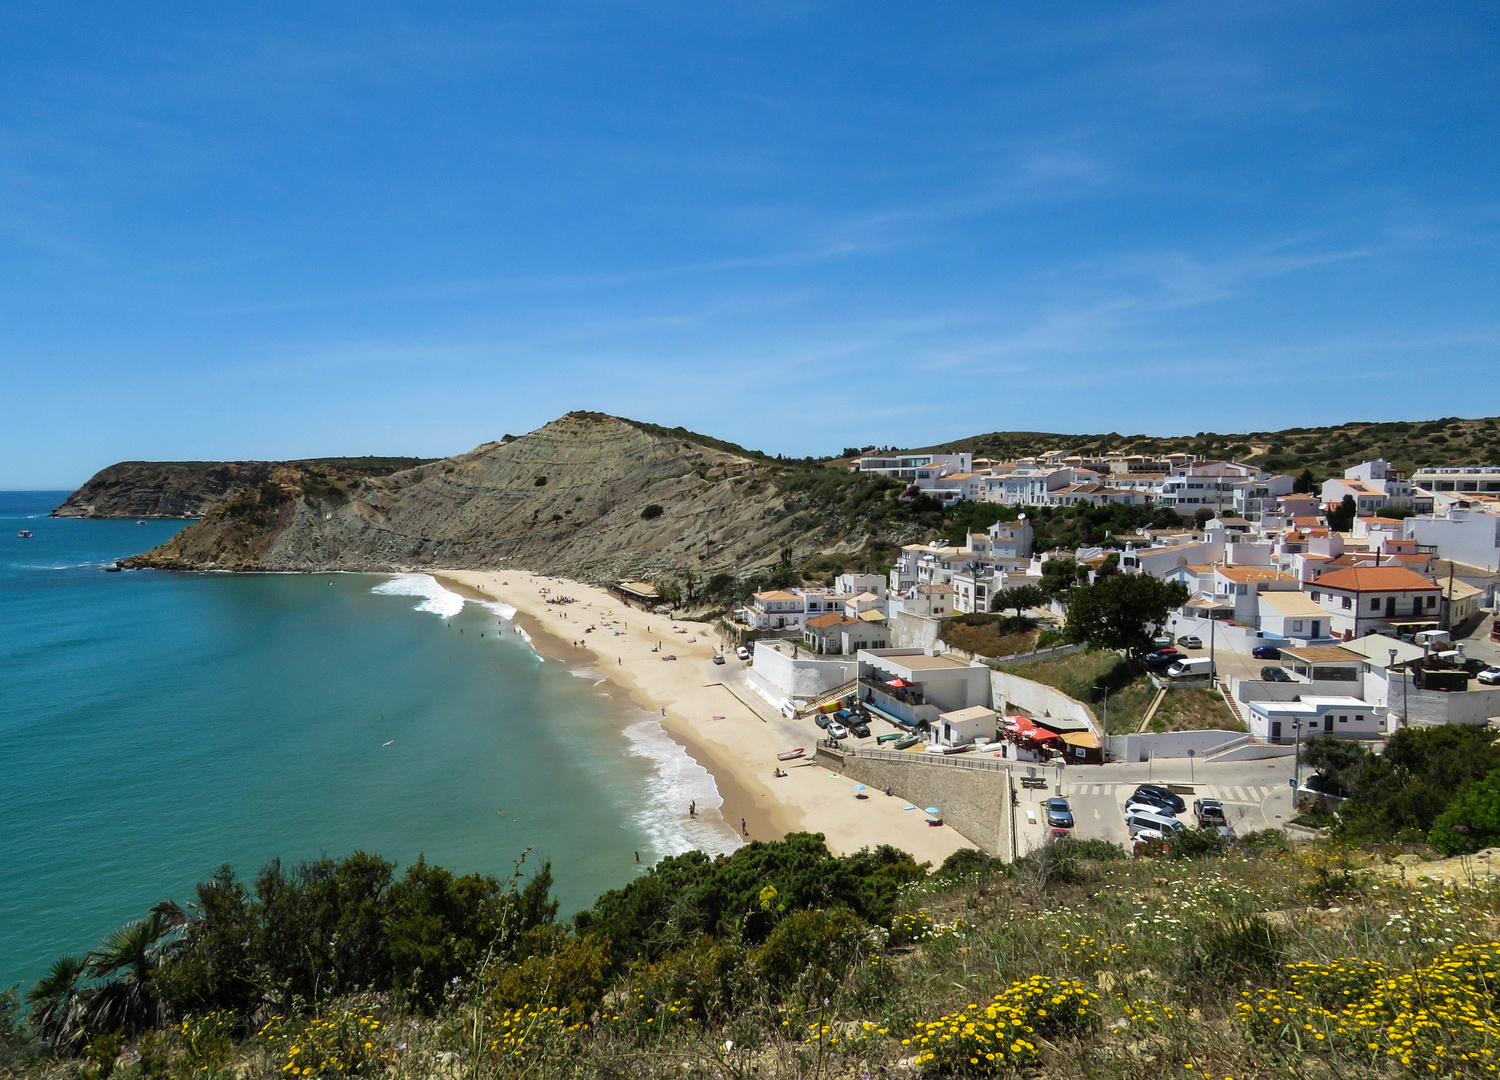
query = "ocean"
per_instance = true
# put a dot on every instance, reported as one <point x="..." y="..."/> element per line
<point x="154" y="726"/>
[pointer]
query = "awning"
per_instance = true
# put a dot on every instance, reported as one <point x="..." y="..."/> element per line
<point x="898" y="683"/>
<point x="1086" y="739"/>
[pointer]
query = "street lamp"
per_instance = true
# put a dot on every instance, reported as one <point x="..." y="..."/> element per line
<point x="1106" y="706"/>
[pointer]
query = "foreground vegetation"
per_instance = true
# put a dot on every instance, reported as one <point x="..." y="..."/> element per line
<point x="782" y="961"/>
<point x="1335" y="959"/>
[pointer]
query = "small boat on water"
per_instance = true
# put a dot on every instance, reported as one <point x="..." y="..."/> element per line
<point x="24" y="534"/>
<point x="790" y="755"/>
<point x="141" y="522"/>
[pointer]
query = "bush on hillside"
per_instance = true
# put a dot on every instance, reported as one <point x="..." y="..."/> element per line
<point x="1471" y="821"/>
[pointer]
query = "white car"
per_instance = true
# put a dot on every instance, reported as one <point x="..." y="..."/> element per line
<point x="837" y="730"/>
<point x="742" y="652"/>
<point x="1143" y="807"/>
<point x="1489" y="676"/>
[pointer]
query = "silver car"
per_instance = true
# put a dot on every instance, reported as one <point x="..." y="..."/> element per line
<point x="837" y="730"/>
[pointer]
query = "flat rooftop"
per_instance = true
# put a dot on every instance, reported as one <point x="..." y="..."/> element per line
<point x="1325" y="654"/>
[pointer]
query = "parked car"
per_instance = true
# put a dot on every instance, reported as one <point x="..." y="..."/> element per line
<point x="1141" y="806"/>
<point x="1162" y="641"/>
<point x="1156" y="822"/>
<point x="860" y="728"/>
<point x="1209" y="813"/>
<point x="837" y="730"/>
<point x="1161" y="796"/>
<point x="1489" y="676"/>
<point x="742" y="652"/>
<point x="718" y="658"/>
<point x="1266" y="652"/>
<point x="1271" y="673"/>
<point x="1162" y="658"/>
<point x="1059" y="814"/>
<point x="1190" y="641"/>
<point x="823" y="719"/>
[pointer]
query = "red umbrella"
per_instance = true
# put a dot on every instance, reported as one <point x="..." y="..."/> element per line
<point x="898" y="683"/>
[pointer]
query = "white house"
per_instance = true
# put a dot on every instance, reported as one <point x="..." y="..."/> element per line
<point x="1291" y="615"/>
<point x="1364" y="599"/>
<point x="1293" y="721"/>
<point x="962" y="726"/>
<point x="1464" y="535"/>
<point x="905" y="466"/>
<point x="1459" y="479"/>
<point x="1204" y="485"/>
<point x="852" y="584"/>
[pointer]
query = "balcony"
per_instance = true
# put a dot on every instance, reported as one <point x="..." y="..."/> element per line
<point x="903" y="704"/>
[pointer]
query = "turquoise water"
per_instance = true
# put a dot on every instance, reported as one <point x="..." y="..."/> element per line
<point x="154" y="726"/>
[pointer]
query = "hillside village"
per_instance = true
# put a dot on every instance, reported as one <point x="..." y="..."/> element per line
<point x="1342" y="610"/>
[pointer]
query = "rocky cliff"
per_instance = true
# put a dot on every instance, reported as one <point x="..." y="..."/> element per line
<point x="189" y="489"/>
<point x="589" y="496"/>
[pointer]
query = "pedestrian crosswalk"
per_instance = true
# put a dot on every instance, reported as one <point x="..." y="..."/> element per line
<point x="1225" y="793"/>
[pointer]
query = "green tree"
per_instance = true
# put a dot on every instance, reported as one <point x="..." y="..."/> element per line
<point x="1472" y="820"/>
<point x="1060" y="575"/>
<point x="1341" y="517"/>
<point x="1405" y="788"/>
<point x="1305" y="483"/>
<point x="1018" y="598"/>
<point x="54" y="1000"/>
<point x="1122" y="611"/>
<point x="1334" y="762"/>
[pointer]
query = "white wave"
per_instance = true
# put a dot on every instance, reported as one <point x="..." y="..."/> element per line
<point x="435" y="598"/>
<point x="677" y="780"/>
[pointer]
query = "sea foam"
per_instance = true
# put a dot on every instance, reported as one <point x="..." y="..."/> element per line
<point x="436" y="599"/>
<point x="677" y="780"/>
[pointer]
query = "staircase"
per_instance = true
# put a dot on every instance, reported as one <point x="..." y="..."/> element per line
<point x="1234" y="706"/>
<point x="833" y="695"/>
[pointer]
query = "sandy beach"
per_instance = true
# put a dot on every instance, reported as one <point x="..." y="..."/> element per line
<point x="727" y="730"/>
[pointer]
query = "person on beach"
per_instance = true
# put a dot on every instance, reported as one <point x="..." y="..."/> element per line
<point x="743" y="830"/>
<point x="693" y="808"/>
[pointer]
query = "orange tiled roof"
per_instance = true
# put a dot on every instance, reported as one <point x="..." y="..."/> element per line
<point x="1375" y="579"/>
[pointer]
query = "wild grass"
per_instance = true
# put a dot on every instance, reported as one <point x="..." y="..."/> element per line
<point x="1065" y="965"/>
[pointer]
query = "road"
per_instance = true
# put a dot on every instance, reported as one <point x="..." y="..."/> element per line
<point x="1255" y="794"/>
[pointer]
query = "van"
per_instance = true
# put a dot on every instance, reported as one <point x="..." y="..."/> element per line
<point x="1434" y="637"/>
<point x="1137" y="820"/>
<point x="1191" y="668"/>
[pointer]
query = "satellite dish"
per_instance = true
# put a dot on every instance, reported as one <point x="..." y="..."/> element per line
<point x="1021" y="517"/>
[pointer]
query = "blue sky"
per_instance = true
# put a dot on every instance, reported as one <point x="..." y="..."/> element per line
<point x="273" y="230"/>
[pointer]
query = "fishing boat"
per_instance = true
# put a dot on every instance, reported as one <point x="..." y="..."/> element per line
<point x="881" y="740"/>
<point x="24" y="534"/>
<point x="907" y="742"/>
<point x="790" y="755"/>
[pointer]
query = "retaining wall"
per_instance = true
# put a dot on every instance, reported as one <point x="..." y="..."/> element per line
<point x="974" y="802"/>
<point x="1168" y="744"/>
<point x="1012" y="694"/>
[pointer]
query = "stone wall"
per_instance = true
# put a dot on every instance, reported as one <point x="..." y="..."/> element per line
<point x="910" y="631"/>
<point x="1012" y="694"/>
<point x="780" y="679"/>
<point x="1170" y="744"/>
<point x="975" y="803"/>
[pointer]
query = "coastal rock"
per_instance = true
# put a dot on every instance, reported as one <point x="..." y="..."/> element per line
<point x="189" y="489"/>
<point x="589" y="496"/>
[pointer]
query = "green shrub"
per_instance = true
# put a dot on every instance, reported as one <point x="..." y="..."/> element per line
<point x="1098" y="850"/>
<point x="573" y="977"/>
<point x="1197" y="844"/>
<point x="1472" y="820"/>
<point x="652" y="511"/>
<point x="813" y="947"/>
<point x="1244" y="950"/>
<point x="964" y="862"/>
<point x="1265" y="841"/>
<point x="541" y="481"/>
<point x="703" y="977"/>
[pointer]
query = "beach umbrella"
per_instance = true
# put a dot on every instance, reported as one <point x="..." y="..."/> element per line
<point x="859" y="787"/>
<point x="933" y="810"/>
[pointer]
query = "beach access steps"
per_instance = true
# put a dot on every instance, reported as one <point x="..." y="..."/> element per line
<point x="832" y="695"/>
<point x="1234" y="706"/>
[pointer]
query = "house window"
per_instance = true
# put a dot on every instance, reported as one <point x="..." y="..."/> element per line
<point x="1297" y="626"/>
<point x="1315" y="595"/>
<point x="1359" y="718"/>
<point x="1375" y="604"/>
<point x="1347" y="603"/>
<point x="1343" y="719"/>
<point x="1432" y="601"/>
